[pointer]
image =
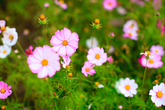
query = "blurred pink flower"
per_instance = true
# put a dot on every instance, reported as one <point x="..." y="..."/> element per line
<point x="110" y="59"/>
<point x="88" y="69"/>
<point x="46" y="5"/>
<point x="2" y="25"/>
<point x="154" y="62"/>
<point x="15" y="51"/>
<point x="163" y="29"/>
<point x="157" y="49"/>
<point x="138" y="2"/>
<point x="25" y="32"/>
<point x="4" y="90"/>
<point x="66" y="62"/>
<point x="109" y="4"/>
<point x="130" y="25"/>
<point x="61" y="4"/>
<point x="158" y="95"/>
<point x="29" y="51"/>
<point x="157" y="4"/>
<point x="112" y="34"/>
<point x="128" y="87"/>
<point x="44" y="62"/>
<point x="158" y="24"/>
<point x="120" y="107"/>
<point x="65" y="43"/>
<point x="131" y="34"/>
<point x="97" y="56"/>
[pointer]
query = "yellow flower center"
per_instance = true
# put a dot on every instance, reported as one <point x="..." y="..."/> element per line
<point x="65" y="42"/>
<point x="148" y="52"/>
<point x="70" y="74"/>
<point x="96" y="83"/>
<point x="130" y="34"/>
<point x="127" y="87"/>
<point x="4" y="52"/>
<point x="28" y="51"/>
<point x="3" y="28"/>
<point x="67" y="66"/>
<point x="156" y="51"/>
<point x="151" y="61"/>
<point x="42" y="17"/>
<point x="97" y="56"/>
<point x="61" y="1"/>
<point x="11" y="37"/>
<point x="109" y="3"/>
<point x="87" y="69"/>
<point x="3" y="107"/>
<point x="81" y="95"/>
<point x="159" y="94"/>
<point x="97" y="21"/>
<point x="44" y="62"/>
<point x="3" y="90"/>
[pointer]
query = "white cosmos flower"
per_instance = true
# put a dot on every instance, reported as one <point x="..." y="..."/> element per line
<point x="91" y="44"/>
<point x="4" y="51"/>
<point x="130" y="25"/>
<point x="117" y="84"/>
<point x="147" y="54"/>
<point x="10" y="36"/>
<point x="100" y="86"/>
<point x="66" y="62"/>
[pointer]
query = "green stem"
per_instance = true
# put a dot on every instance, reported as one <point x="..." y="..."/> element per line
<point x="130" y="103"/>
<point x="93" y="37"/>
<point x="46" y="35"/>
<point x="19" y="45"/>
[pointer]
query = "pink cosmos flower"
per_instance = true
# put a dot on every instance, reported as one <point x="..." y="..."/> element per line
<point x="157" y="49"/>
<point x="112" y="34"/>
<point x="120" y="107"/>
<point x="128" y="87"/>
<point x="66" y="62"/>
<point x="97" y="56"/>
<point x="46" y="5"/>
<point x="29" y="51"/>
<point x="130" y="25"/>
<point x="4" y="90"/>
<point x="163" y="30"/>
<point x="61" y="4"/>
<point x="2" y="25"/>
<point x="158" y="95"/>
<point x="157" y="4"/>
<point x="154" y="62"/>
<point x="44" y="62"/>
<point x="109" y="4"/>
<point x="88" y="69"/>
<point x="158" y="24"/>
<point x="110" y="59"/>
<point x="131" y="34"/>
<point x="65" y="43"/>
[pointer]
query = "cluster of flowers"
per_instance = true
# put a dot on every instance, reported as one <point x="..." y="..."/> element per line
<point x="128" y="88"/>
<point x="9" y="39"/>
<point x="45" y="60"/>
<point x="130" y="29"/>
<point x="154" y="59"/>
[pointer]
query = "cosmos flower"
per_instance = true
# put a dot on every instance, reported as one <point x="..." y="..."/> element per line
<point x="44" y="62"/>
<point x="158" y="95"/>
<point x="128" y="87"/>
<point x="131" y="34"/>
<point x="110" y="59"/>
<point x="46" y="5"/>
<point x="91" y="44"/>
<point x="61" y="4"/>
<point x="117" y="84"/>
<point x="88" y="69"/>
<point x="2" y="25"/>
<point x="29" y="51"/>
<point x="157" y="49"/>
<point x="4" y="51"/>
<point x="157" y="4"/>
<point x="120" y="107"/>
<point x="130" y="25"/>
<point x="66" y="62"/>
<point x="65" y="43"/>
<point x="97" y="56"/>
<point x="4" y="90"/>
<point x="99" y="85"/>
<point x="121" y="10"/>
<point x="10" y="36"/>
<point x="111" y="49"/>
<point x="148" y="54"/>
<point x="109" y="4"/>
<point x="154" y="62"/>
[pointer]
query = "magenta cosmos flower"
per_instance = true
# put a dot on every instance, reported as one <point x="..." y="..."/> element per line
<point x="88" y="69"/>
<point x="44" y="62"/>
<point x="154" y="62"/>
<point x="109" y="4"/>
<point x="110" y="59"/>
<point x="61" y="4"/>
<point x="4" y="90"/>
<point x="158" y="95"/>
<point x="157" y="49"/>
<point x="97" y="56"/>
<point x="65" y="43"/>
<point x="29" y="51"/>
<point x="128" y="87"/>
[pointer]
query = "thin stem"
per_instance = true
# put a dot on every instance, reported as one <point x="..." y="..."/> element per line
<point x="46" y="35"/>
<point x="93" y="37"/>
<point x="130" y="103"/>
<point x="19" y="45"/>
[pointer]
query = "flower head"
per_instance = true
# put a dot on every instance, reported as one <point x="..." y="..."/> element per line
<point x="148" y="54"/>
<point x="44" y="62"/>
<point x="110" y="59"/>
<point x="66" y="62"/>
<point x="99" y="85"/>
<point x="121" y="10"/>
<point x="120" y="107"/>
<point x="42" y="19"/>
<point x="65" y="43"/>
<point x="46" y="5"/>
<point x="117" y="84"/>
<point x="29" y="51"/>
<point x="10" y="36"/>
<point x="4" y="51"/>
<point x="130" y="25"/>
<point x="4" y="90"/>
<point x="157" y="49"/>
<point x="61" y="4"/>
<point x="97" y="56"/>
<point x="131" y="34"/>
<point x="158" y="95"/>
<point x="88" y="69"/>
<point x="109" y="4"/>
<point x="92" y="42"/>
<point x="2" y="25"/>
<point x="111" y="49"/>
<point x="128" y="87"/>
